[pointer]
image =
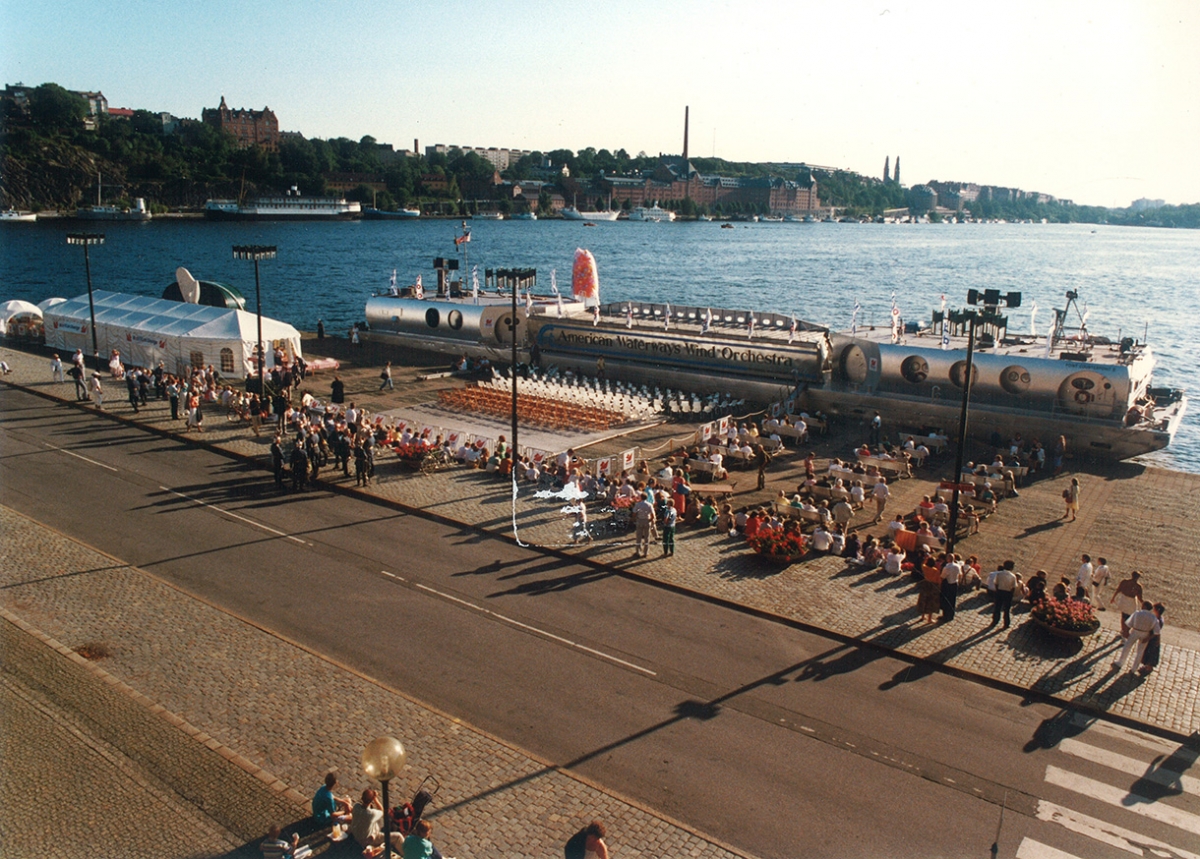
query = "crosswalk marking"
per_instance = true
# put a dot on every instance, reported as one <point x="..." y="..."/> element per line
<point x="1115" y="796"/>
<point x="1108" y="833"/>
<point x="1031" y="849"/>
<point x="1128" y="735"/>
<point x="1131" y="766"/>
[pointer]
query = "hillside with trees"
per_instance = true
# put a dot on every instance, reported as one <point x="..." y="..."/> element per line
<point x="55" y="156"/>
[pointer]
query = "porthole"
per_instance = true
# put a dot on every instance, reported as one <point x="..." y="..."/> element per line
<point x="1015" y="379"/>
<point x="454" y="317"/>
<point x="914" y="369"/>
<point x="432" y="317"/>
<point x="958" y="374"/>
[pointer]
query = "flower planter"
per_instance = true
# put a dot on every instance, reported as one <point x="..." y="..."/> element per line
<point x="781" y="560"/>
<point x="1065" y="633"/>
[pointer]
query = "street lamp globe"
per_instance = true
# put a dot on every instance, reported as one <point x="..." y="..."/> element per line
<point x="383" y="758"/>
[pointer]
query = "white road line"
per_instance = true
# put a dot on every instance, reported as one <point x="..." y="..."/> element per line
<point x="1129" y="735"/>
<point x="1031" y="849"/>
<point x="78" y="456"/>
<point x="1114" y="796"/>
<point x="1131" y="766"/>
<point x="538" y="631"/>
<point x="1108" y="833"/>
<point x="233" y="515"/>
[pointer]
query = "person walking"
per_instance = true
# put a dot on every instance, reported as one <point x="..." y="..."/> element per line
<point x="1099" y="580"/>
<point x="643" y="518"/>
<point x="386" y="377"/>
<point x="80" y="379"/>
<point x="131" y="386"/>
<point x="277" y="460"/>
<point x="320" y="329"/>
<point x="1005" y="582"/>
<point x="1071" y="498"/>
<point x="1059" y="454"/>
<point x="1143" y="623"/>
<point x="56" y="370"/>
<point x="876" y="429"/>
<point x="1154" y="646"/>
<point x="881" y="494"/>
<point x="951" y="572"/>
<point x="1128" y="597"/>
<point x="337" y="390"/>
<point x="97" y="390"/>
<point x="1083" y="578"/>
<point x="761" y="460"/>
<point x="173" y="390"/>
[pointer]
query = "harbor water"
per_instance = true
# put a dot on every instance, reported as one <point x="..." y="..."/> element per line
<point x="1138" y="282"/>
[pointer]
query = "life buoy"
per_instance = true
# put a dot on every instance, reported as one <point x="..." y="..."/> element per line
<point x="1083" y="397"/>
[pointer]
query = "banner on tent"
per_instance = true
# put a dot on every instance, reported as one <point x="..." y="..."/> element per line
<point x="628" y="458"/>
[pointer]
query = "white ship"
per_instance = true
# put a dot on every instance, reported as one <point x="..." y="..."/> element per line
<point x="570" y="213"/>
<point x="651" y="213"/>
<point x="292" y="206"/>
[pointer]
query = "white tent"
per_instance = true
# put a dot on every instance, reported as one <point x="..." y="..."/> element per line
<point x="16" y="307"/>
<point x="148" y="330"/>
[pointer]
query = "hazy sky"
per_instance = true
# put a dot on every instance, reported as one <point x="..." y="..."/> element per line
<point x="1096" y="101"/>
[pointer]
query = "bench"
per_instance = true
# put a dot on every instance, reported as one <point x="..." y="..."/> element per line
<point x="723" y="490"/>
<point x="803" y="516"/>
<point x="898" y="467"/>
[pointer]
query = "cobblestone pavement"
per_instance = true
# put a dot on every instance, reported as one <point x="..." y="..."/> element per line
<point x="1139" y="518"/>
<point x="227" y="717"/>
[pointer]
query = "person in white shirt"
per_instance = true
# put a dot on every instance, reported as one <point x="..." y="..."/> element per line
<point x="1099" y="580"/>
<point x="1142" y="624"/>
<point x="821" y="541"/>
<point x="857" y="494"/>
<point x="1083" y="578"/>
<point x="950" y="575"/>
<point x="894" y="560"/>
<point x="1002" y="583"/>
<point x="881" y="494"/>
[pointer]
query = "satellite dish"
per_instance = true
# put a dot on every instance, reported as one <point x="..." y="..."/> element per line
<point x="189" y="287"/>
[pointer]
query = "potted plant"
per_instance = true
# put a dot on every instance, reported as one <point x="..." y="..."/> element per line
<point x="1066" y="618"/>
<point x="781" y="545"/>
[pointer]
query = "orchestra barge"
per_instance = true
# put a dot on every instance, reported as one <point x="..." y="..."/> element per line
<point x="1095" y="392"/>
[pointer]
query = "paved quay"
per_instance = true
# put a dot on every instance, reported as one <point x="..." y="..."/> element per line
<point x="195" y="716"/>
<point x="1138" y="517"/>
<point x="823" y="593"/>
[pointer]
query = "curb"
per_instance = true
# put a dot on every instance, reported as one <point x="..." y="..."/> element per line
<point x="1028" y="695"/>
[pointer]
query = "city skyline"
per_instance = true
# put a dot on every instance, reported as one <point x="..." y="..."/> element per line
<point x="1088" y="102"/>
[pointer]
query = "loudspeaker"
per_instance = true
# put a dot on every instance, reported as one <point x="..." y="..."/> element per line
<point x="1013" y="299"/>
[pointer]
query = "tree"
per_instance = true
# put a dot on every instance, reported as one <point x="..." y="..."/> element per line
<point x="51" y="106"/>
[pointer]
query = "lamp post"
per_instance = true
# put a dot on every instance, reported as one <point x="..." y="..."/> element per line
<point x="992" y="300"/>
<point x="256" y="253"/>
<point x="87" y="239"/>
<point x="382" y="760"/>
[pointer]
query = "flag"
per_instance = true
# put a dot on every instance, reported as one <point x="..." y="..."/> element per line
<point x="945" y="336"/>
<point x="707" y="321"/>
<point x="528" y="301"/>
<point x="465" y="237"/>
<point x="585" y="279"/>
<point x="628" y="315"/>
<point x="392" y="283"/>
<point x="667" y="319"/>
<point x="1032" y="320"/>
<point x="475" y="283"/>
<point x="792" y="330"/>
<point x="854" y="319"/>
<point x="595" y="315"/>
<point x="418" y="290"/>
<point x="895" y="320"/>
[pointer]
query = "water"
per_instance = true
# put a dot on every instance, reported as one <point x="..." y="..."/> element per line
<point x="1132" y="281"/>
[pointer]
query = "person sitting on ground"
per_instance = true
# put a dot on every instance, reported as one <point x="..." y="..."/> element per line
<point x="893" y="561"/>
<point x="275" y="846"/>
<point x="366" y="820"/>
<point x="726" y="521"/>
<point x="587" y="843"/>
<point x="821" y="539"/>
<point x="418" y="845"/>
<point x="328" y="809"/>
<point x="1062" y="589"/>
<point x="708" y="512"/>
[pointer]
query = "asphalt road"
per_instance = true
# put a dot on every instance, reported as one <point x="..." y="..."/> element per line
<point x="779" y="742"/>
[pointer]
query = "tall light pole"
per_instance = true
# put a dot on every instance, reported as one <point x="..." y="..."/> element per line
<point x="992" y="300"/>
<point x="87" y="239"/>
<point x="382" y="760"/>
<point x="256" y="253"/>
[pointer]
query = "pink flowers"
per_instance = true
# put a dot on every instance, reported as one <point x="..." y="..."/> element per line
<point x="1071" y="615"/>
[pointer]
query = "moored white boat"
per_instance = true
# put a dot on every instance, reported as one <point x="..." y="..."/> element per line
<point x="651" y="213"/>
<point x="12" y="216"/>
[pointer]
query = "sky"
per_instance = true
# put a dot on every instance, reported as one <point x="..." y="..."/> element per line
<point x="1097" y="102"/>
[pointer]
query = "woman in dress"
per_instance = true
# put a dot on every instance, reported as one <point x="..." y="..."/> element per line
<point x="929" y="594"/>
<point x="1071" y="497"/>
